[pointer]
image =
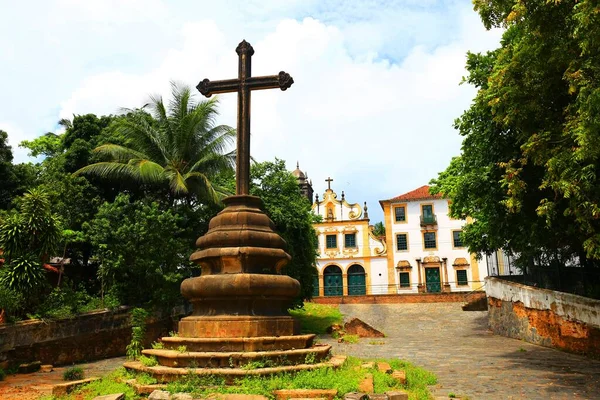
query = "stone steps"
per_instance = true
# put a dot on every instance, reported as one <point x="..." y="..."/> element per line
<point x="239" y="344"/>
<point x="238" y="359"/>
<point x="169" y="374"/>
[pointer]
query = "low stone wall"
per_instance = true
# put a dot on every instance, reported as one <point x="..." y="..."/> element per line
<point x="87" y="337"/>
<point x="544" y="317"/>
<point x="455" y="297"/>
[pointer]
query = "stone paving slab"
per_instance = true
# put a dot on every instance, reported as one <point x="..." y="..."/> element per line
<point x="467" y="358"/>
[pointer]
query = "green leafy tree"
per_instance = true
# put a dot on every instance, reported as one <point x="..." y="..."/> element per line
<point x="528" y="173"/>
<point x="179" y="147"/>
<point x="142" y="249"/>
<point x="291" y="213"/>
<point x="28" y="238"/>
<point x="15" y="179"/>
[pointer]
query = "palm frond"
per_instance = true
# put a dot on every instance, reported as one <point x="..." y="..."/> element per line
<point x="177" y="182"/>
<point x="202" y="186"/>
<point x="110" y="170"/>
<point x="149" y="172"/>
<point x="119" y="153"/>
<point x="141" y="135"/>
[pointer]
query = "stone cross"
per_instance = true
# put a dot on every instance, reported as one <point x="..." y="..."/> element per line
<point x="243" y="85"/>
<point x="328" y="180"/>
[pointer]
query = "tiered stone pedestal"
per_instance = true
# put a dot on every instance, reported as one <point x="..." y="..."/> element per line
<point x="240" y="324"/>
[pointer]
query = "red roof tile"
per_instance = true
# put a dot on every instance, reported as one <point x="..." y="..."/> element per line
<point x="421" y="193"/>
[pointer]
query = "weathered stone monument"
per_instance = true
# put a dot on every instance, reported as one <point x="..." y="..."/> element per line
<point x="241" y="300"/>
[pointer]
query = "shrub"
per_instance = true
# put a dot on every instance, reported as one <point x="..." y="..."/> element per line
<point x="148" y="361"/>
<point x="2" y="374"/>
<point x="138" y="331"/>
<point x="73" y="374"/>
<point x="10" y="300"/>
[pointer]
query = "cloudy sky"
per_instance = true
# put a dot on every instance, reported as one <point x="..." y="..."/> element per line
<point x="376" y="82"/>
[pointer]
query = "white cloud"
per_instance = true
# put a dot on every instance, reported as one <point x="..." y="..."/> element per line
<point x="378" y="127"/>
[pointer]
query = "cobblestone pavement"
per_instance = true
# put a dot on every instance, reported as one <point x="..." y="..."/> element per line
<point x="32" y="386"/>
<point x="467" y="358"/>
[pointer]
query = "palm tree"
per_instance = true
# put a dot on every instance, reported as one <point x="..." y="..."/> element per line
<point x="179" y="146"/>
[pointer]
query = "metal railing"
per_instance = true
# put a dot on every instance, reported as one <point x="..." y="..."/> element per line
<point x="428" y="220"/>
<point x="358" y="290"/>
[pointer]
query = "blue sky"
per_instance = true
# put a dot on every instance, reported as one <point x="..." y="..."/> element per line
<point x="376" y="82"/>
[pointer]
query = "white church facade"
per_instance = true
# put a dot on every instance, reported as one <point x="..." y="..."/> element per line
<point x="422" y="250"/>
<point x="351" y="260"/>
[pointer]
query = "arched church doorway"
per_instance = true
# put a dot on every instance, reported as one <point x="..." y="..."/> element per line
<point x="332" y="281"/>
<point x="356" y="280"/>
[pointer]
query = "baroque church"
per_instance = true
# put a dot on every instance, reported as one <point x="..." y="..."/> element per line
<point x="421" y="252"/>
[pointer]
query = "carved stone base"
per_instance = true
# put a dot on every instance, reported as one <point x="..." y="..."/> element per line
<point x="230" y="326"/>
<point x="241" y="294"/>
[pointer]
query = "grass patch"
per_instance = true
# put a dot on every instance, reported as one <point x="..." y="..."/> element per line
<point x="145" y="379"/>
<point x="148" y="361"/>
<point x="109" y="384"/>
<point x="345" y="380"/>
<point x="73" y="374"/>
<point x="350" y="338"/>
<point x="316" y="318"/>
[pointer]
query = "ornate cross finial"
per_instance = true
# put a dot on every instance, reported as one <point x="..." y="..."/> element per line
<point x="243" y="85"/>
<point x="328" y="180"/>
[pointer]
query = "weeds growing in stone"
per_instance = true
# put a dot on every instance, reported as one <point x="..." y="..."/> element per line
<point x="148" y="361"/>
<point x="182" y="349"/>
<point x="138" y="331"/>
<point x="73" y="374"/>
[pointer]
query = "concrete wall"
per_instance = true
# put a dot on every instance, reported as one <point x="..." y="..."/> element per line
<point x="544" y="317"/>
<point x="90" y="336"/>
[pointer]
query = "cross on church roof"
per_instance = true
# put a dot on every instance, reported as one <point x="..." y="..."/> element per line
<point x="328" y="180"/>
<point x="243" y="85"/>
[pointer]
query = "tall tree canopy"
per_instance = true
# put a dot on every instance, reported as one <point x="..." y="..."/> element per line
<point x="178" y="146"/>
<point x="291" y="213"/>
<point x="529" y="169"/>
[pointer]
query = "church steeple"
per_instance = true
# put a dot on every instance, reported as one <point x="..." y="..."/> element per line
<point x="304" y="183"/>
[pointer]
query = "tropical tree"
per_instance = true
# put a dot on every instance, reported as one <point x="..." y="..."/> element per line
<point x="291" y="213"/>
<point x="529" y="170"/>
<point x="178" y="147"/>
<point x="28" y="238"/>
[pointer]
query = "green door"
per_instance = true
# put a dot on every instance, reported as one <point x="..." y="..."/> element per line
<point x="356" y="281"/>
<point x="332" y="281"/>
<point x="315" y="286"/>
<point x="432" y="280"/>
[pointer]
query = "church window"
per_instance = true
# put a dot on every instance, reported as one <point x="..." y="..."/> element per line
<point x="402" y="241"/>
<point x="350" y="239"/>
<point x="461" y="277"/>
<point x="457" y="239"/>
<point x="400" y="213"/>
<point x="404" y="279"/>
<point x="429" y="240"/>
<point x="331" y="241"/>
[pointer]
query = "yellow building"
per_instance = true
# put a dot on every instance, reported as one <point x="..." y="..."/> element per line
<point x="351" y="260"/>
